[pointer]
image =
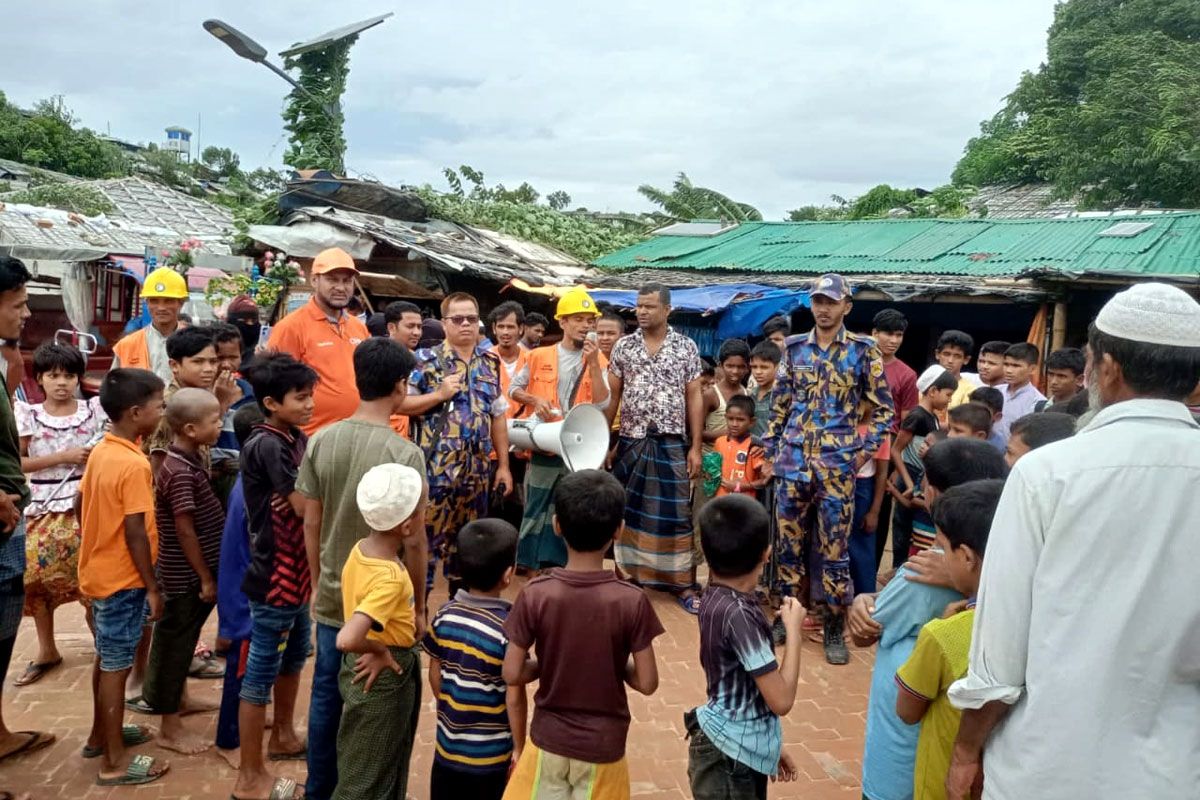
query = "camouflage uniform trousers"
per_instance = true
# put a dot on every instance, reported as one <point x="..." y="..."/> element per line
<point x="450" y="508"/>
<point x="814" y="515"/>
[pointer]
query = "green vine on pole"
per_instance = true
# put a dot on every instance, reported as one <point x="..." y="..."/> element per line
<point x="313" y="117"/>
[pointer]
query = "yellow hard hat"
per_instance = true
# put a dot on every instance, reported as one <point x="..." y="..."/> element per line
<point x="165" y="282"/>
<point x="576" y="301"/>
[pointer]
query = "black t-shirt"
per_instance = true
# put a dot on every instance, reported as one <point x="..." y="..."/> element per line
<point x="920" y="423"/>
<point x="278" y="573"/>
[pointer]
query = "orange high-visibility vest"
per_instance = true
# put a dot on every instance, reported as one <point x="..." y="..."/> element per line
<point x="506" y="381"/>
<point x="133" y="351"/>
<point x="543" y="378"/>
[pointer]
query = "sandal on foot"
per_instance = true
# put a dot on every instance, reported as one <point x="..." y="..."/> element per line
<point x="138" y="705"/>
<point x="138" y="772"/>
<point x="131" y="736"/>
<point x="36" y="741"/>
<point x="282" y="789"/>
<point x="206" y="668"/>
<point x="298" y="755"/>
<point x="690" y="604"/>
<point x="35" y="672"/>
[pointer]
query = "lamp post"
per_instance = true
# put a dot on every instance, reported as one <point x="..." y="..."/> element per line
<point x="251" y="50"/>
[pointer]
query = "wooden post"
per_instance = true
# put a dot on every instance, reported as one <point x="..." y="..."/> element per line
<point x="1058" y="335"/>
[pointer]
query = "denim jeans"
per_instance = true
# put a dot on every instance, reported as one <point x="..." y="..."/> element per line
<point x="863" y="572"/>
<point x="119" y="619"/>
<point x="228" y="737"/>
<point x="714" y="775"/>
<point x="279" y="645"/>
<point x="324" y="717"/>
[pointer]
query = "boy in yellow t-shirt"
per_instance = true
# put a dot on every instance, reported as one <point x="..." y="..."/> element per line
<point x="963" y="517"/>
<point x="380" y="677"/>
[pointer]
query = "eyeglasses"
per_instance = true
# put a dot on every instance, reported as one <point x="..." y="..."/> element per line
<point x="460" y="320"/>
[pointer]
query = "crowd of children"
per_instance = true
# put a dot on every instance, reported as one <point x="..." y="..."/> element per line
<point x="159" y="503"/>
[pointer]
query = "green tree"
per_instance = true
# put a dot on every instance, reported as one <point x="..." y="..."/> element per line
<point x="1112" y="116"/>
<point x="48" y="138"/>
<point x="222" y="161"/>
<point x="558" y="200"/>
<point x="685" y="202"/>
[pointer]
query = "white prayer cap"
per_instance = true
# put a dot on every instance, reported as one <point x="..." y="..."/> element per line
<point x="388" y="494"/>
<point x="1155" y="313"/>
<point x="928" y="377"/>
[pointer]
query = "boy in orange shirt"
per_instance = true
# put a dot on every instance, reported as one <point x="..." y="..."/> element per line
<point x="743" y="468"/>
<point x="117" y="551"/>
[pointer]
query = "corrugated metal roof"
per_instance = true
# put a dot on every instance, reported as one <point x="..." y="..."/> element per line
<point x="152" y="204"/>
<point x="1069" y="248"/>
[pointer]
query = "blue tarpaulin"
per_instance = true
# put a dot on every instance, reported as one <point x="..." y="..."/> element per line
<point x="743" y="307"/>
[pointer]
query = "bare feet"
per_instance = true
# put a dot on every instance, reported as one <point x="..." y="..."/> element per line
<point x="185" y="744"/>
<point x="192" y="705"/>
<point x="288" y="745"/>
<point x="15" y="743"/>
<point x="232" y="757"/>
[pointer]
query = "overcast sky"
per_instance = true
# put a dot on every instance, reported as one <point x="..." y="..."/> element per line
<point x="777" y="104"/>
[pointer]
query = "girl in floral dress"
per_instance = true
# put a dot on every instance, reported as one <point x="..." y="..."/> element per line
<point x="56" y="438"/>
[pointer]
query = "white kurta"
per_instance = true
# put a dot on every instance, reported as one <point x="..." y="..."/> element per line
<point x="1089" y="614"/>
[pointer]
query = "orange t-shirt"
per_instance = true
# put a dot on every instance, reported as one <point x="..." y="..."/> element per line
<point x="117" y="482"/>
<point x="400" y="424"/>
<point x="738" y="465"/>
<point x="307" y="335"/>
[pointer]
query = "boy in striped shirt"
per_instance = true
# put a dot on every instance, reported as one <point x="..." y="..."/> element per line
<point x="480" y="720"/>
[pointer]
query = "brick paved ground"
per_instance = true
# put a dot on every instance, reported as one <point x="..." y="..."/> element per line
<point x="823" y="733"/>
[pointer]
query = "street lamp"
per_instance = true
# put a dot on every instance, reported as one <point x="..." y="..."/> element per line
<point x="251" y="50"/>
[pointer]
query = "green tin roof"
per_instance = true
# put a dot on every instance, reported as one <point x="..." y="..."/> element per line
<point x="1169" y="247"/>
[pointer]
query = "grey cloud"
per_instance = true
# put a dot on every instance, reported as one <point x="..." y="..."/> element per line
<point x="776" y="103"/>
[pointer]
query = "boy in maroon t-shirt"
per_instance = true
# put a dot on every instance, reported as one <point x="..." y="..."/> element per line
<point x="594" y="633"/>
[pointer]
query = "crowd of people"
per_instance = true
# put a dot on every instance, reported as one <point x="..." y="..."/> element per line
<point x="323" y="474"/>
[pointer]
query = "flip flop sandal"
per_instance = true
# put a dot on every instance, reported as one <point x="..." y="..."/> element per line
<point x="282" y="789"/>
<point x="208" y="669"/>
<point x="299" y="755"/>
<point x="35" y="672"/>
<point x="138" y="772"/>
<point x="690" y="604"/>
<point x="131" y="736"/>
<point x="36" y="741"/>
<point x="138" y="705"/>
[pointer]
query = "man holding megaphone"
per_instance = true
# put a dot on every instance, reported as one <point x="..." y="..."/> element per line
<point x="554" y="380"/>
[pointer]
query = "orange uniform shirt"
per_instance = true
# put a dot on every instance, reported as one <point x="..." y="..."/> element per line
<point x="117" y="482"/>
<point x="399" y="423"/>
<point x="307" y="335"/>
<point x="506" y="379"/>
<point x="738" y="465"/>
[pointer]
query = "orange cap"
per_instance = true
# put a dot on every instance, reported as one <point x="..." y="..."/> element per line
<point x="333" y="259"/>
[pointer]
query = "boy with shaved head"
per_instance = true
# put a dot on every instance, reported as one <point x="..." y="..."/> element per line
<point x="190" y="520"/>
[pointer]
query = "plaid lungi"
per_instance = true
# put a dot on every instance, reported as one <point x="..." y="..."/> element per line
<point x="375" y="738"/>
<point x="655" y="549"/>
<point x="539" y="546"/>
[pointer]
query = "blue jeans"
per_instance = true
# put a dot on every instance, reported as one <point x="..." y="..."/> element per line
<point x="119" y="619"/>
<point x="228" y="737"/>
<point x="279" y="645"/>
<point x="863" y="572"/>
<point x="324" y="717"/>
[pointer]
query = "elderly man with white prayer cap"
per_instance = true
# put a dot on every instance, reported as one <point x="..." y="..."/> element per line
<point x="1085" y="661"/>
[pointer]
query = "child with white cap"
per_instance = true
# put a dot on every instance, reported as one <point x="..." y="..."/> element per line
<point x="936" y="386"/>
<point x="379" y="681"/>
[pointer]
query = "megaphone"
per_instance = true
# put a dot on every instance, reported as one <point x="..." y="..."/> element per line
<point x="581" y="438"/>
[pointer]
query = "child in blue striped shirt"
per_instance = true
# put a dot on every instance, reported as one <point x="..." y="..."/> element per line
<point x="480" y="720"/>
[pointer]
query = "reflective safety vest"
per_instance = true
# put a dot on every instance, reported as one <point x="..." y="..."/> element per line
<point x="506" y="380"/>
<point x="543" y="379"/>
<point x="133" y="351"/>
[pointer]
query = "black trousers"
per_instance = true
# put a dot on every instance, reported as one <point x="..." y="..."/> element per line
<point x="450" y="784"/>
<point x="175" y="637"/>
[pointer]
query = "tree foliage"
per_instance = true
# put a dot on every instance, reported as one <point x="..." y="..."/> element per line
<point x="222" y="161"/>
<point x="886" y="201"/>
<point x="1114" y="113"/>
<point x="79" y="198"/>
<point x="516" y="213"/>
<point x="313" y="117"/>
<point x="48" y="138"/>
<point x="685" y="202"/>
